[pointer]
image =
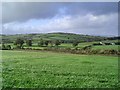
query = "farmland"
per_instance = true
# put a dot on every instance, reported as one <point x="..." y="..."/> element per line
<point x="65" y="37"/>
<point x="61" y="65"/>
<point x="110" y="47"/>
<point x="36" y="69"/>
<point x="59" y="45"/>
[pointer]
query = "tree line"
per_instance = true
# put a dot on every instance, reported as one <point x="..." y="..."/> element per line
<point x="41" y="43"/>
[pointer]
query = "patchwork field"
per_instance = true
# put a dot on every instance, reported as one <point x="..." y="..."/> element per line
<point x="35" y="69"/>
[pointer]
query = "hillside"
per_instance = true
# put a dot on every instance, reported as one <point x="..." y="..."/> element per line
<point x="64" y="37"/>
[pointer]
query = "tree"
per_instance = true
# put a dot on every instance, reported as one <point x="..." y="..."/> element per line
<point x="41" y="43"/>
<point x="75" y="43"/>
<point x="3" y="46"/>
<point x="57" y="42"/>
<point x="29" y="42"/>
<point x="19" y="43"/>
<point x="8" y="47"/>
<point x="51" y="43"/>
<point x="46" y="43"/>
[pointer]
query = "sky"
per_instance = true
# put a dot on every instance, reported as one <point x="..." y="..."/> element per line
<point x="91" y="18"/>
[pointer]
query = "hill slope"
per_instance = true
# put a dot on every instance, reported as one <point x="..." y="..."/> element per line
<point x="64" y="37"/>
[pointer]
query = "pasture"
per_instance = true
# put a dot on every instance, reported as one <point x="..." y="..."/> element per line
<point x="36" y="69"/>
<point x="106" y="47"/>
<point x="69" y="45"/>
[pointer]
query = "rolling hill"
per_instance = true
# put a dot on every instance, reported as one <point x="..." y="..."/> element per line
<point x="64" y="37"/>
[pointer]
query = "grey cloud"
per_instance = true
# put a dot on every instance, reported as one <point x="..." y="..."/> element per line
<point x="96" y="8"/>
<point x="22" y="11"/>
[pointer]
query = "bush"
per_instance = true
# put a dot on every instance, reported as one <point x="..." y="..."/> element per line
<point x="41" y="43"/>
<point x="57" y="42"/>
<point x="87" y="47"/>
<point x="107" y="43"/>
<point x="8" y="47"/>
<point x="29" y="42"/>
<point x="4" y="47"/>
<point x="75" y="43"/>
<point x="46" y="43"/>
<point x="19" y="43"/>
<point x="97" y="44"/>
<point x="117" y="43"/>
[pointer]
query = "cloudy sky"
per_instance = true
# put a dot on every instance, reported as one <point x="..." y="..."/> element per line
<point x="93" y="18"/>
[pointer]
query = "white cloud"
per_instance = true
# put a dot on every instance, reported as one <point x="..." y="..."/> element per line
<point x="88" y="24"/>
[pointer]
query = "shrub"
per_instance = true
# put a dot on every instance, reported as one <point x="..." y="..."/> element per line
<point x="8" y="47"/>
<point x="29" y="42"/>
<point x="107" y="43"/>
<point x="97" y="44"/>
<point x="117" y="43"/>
<point x="87" y="47"/>
<point x="46" y="43"/>
<point x="3" y="46"/>
<point x="41" y="43"/>
<point x="75" y="43"/>
<point x="57" y="42"/>
<point x="19" y="43"/>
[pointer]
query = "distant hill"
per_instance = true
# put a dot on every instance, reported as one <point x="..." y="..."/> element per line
<point x="63" y="37"/>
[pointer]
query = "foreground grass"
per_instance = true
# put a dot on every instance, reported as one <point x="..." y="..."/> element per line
<point x="30" y="69"/>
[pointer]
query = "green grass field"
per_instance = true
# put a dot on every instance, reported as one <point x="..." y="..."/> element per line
<point x="69" y="45"/>
<point x="106" y="47"/>
<point x="35" y="69"/>
<point x="52" y="36"/>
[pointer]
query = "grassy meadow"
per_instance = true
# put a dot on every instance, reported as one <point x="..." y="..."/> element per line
<point x="69" y="45"/>
<point x="42" y="69"/>
<point x="59" y="45"/>
<point x="110" y="47"/>
<point x="55" y="66"/>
